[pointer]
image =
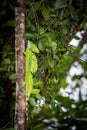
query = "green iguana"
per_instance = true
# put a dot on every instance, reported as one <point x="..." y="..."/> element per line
<point x="30" y="68"/>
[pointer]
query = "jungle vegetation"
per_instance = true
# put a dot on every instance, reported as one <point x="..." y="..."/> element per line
<point x="50" y="25"/>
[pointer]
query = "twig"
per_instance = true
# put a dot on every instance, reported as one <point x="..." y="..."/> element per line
<point x="7" y="124"/>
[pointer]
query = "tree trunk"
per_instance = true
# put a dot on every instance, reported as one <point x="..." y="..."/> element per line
<point x="20" y="107"/>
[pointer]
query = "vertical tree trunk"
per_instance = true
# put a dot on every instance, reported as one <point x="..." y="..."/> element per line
<point x="20" y="108"/>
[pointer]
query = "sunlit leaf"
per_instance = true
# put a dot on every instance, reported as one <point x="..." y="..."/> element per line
<point x="63" y="83"/>
<point x="37" y="83"/>
<point x="35" y="91"/>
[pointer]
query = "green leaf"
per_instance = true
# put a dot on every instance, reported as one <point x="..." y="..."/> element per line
<point x="73" y="12"/>
<point x="84" y="65"/>
<point x="77" y="50"/>
<point x="42" y="31"/>
<point x="41" y="46"/>
<point x="37" y="83"/>
<point x="62" y="49"/>
<point x="63" y="63"/>
<point x="35" y="91"/>
<point x="64" y="31"/>
<point x="32" y="101"/>
<point x="60" y="4"/>
<point x="51" y="62"/>
<point x="29" y="35"/>
<point x="63" y="83"/>
<point x="46" y="13"/>
<point x="7" y="61"/>
<point x="38" y="96"/>
<point x="52" y="44"/>
<point x="12" y="76"/>
<point x="37" y="6"/>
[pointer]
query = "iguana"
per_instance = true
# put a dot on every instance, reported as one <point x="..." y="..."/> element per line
<point x="30" y="68"/>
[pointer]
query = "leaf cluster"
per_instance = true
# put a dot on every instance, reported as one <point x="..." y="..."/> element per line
<point x="51" y="25"/>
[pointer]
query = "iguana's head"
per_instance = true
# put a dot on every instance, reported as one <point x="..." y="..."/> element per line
<point x="32" y="47"/>
<point x="29" y="45"/>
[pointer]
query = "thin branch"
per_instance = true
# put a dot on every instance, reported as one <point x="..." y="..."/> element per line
<point x="7" y="124"/>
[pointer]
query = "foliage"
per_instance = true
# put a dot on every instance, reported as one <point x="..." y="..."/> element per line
<point x="7" y="64"/>
<point x="50" y="25"/>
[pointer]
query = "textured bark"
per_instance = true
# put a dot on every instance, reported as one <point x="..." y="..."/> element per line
<point x="20" y="107"/>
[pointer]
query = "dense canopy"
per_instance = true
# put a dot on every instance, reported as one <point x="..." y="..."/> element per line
<point x="50" y="25"/>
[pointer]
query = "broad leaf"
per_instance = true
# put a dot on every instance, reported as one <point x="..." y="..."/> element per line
<point x="35" y="91"/>
<point x="37" y="83"/>
<point x="32" y="101"/>
<point x="38" y="96"/>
